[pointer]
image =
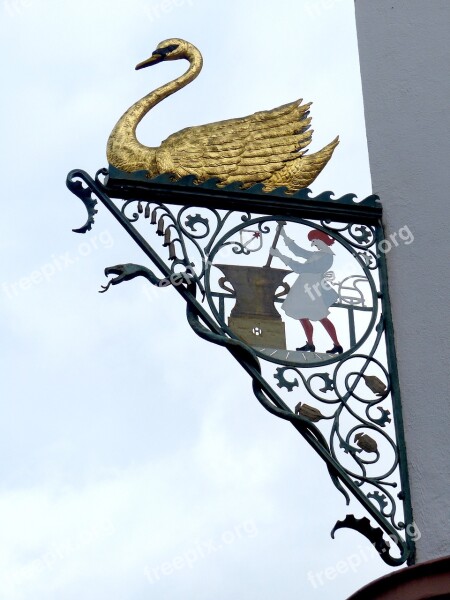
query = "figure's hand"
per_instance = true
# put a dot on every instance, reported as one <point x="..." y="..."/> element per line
<point x="275" y="252"/>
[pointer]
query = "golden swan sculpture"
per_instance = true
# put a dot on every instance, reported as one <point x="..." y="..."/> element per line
<point x="267" y="147"/>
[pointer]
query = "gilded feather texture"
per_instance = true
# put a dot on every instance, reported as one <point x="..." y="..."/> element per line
<point x="267" y="147"/>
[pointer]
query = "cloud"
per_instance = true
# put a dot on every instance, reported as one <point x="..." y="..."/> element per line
<point x="126" y="438"/>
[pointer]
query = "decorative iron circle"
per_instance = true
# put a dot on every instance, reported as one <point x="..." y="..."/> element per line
<point x="255" y="319"/>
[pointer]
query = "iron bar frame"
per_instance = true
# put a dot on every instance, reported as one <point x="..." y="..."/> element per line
<point x="118" y="185"/>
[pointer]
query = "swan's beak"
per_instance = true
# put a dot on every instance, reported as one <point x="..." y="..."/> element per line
<point x="158" y="55"/>
<point x="154" y="59"/>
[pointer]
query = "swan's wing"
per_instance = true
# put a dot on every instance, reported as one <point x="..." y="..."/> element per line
<point x="249" y="149"/>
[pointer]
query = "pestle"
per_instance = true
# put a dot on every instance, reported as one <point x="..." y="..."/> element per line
<point x="280" y="226"/>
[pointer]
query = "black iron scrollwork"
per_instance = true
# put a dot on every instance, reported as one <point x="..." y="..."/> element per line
<point x="358" y="401"/>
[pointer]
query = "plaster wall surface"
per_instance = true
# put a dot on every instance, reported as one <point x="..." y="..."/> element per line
<point x="404" y="48"/>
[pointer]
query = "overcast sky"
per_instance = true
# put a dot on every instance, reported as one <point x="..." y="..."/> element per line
<point x="136" y="462"/>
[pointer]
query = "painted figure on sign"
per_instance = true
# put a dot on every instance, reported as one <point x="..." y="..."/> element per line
<point x="311" y="296"/>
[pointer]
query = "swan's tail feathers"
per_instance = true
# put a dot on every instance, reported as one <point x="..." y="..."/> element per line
<point x="301" y="171"/>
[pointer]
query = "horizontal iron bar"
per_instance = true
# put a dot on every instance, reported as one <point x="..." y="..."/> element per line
<point x="267" y="204"/>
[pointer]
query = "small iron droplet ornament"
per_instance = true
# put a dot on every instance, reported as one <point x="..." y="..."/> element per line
<point x="366" y="443"/>
<point x="309" y="412"/>
<point x="374" y="384"/>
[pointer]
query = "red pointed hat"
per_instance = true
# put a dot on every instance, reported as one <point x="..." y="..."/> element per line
<point x="315" y="234"/>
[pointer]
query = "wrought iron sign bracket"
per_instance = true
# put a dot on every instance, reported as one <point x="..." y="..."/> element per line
<point x="236" y="306"/>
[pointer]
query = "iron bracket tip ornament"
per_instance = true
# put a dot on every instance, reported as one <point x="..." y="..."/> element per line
<point x="204" y="241"/>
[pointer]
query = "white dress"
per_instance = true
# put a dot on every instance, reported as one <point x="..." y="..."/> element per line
<point x="303" y="300"/>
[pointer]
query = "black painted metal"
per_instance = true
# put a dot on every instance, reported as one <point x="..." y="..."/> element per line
<point x="185" y="191"/>
<point x="397" y="405"/>
<point x="359" y="231"/>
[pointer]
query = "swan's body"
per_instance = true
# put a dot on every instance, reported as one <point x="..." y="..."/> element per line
<point x="266" y="147"/>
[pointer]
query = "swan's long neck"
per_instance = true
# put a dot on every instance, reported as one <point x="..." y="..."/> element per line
<point x="124" y="151"/>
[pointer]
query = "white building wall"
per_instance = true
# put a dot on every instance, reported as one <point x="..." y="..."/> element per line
<point x="404" y="50"/>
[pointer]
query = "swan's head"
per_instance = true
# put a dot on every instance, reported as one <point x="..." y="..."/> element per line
<point x="171" y="49"/>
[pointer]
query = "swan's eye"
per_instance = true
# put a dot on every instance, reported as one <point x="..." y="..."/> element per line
<point x="166" y="50"/>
